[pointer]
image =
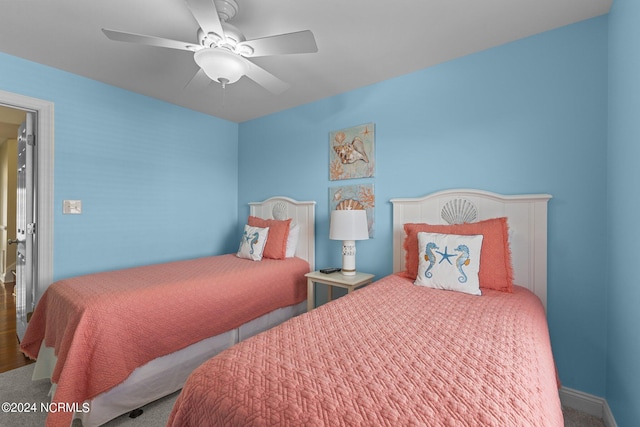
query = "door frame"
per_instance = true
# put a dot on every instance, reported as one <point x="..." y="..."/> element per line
<point x="43" y="184"/>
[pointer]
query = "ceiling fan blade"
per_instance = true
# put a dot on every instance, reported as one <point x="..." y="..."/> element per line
<point x="298" y="42"/>
<point x="199" y="81"/>
<point x="149" y="40"/>
<point x="206" y="14"/>
<point x="266" y="79"/>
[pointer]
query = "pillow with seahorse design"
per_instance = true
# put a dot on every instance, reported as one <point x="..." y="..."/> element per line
<point x="449" y="261"/>
<point x="252" y="242"/>
<point x="496" y="271"/>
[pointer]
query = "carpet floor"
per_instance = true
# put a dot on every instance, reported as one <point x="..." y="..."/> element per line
<point x="16" y="386"/>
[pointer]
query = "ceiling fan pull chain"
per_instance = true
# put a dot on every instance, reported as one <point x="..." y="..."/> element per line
<point x="223" y="82"/>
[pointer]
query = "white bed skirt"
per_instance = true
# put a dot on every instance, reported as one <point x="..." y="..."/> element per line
<point x="164" y="375"/>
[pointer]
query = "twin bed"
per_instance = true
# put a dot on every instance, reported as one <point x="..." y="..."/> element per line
<point x="122" y="339"/>
<point x="394" y="353"/>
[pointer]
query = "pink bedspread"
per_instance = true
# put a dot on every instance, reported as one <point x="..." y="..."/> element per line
<point x="389" y="354"/>
<point x="105" y="325"/>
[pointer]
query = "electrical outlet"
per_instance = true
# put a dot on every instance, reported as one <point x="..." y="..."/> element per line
<point x="72" y="207"/>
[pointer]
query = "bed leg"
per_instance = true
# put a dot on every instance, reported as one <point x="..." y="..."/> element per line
<point x="135" y="413"/>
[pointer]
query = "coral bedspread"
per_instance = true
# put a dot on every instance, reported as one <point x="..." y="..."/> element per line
<point x="105" y="325"/>
<point x="389" y="354"/>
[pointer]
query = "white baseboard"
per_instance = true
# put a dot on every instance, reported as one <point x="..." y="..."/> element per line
<point x="588" y="403"/>
<point x="609" y="421"/>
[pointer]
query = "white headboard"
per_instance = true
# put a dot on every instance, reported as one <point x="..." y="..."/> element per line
<point x="301" y="213"/>
<point x="526" y="216"/>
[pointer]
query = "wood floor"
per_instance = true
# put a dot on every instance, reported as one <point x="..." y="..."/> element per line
<point x="10" y="356"/>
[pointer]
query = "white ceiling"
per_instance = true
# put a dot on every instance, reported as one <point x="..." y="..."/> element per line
<point x="360" y="42"/>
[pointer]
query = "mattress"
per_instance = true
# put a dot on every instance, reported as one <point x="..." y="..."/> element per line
<point x="105" y="325"/>
<point x="389" y="354"/>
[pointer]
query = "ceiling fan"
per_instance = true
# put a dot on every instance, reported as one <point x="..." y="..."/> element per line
<point x="222" y="50"/>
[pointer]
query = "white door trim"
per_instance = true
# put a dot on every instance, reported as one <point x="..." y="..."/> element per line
<point x="44" y="181"/>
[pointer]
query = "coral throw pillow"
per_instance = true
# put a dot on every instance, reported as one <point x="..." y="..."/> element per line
<point x="496" y="270"/>
<point x="276" y="247"/>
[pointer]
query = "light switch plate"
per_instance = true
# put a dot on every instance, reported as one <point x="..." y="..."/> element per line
<point x="72" y="207"/>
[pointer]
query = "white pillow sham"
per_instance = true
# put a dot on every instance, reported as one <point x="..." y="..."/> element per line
<point x="252" y="242"/>
<point x="292" y="240"/>
<point x="449" y="261"/>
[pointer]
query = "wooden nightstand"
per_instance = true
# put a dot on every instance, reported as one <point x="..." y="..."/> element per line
<point x="350" y="283"/>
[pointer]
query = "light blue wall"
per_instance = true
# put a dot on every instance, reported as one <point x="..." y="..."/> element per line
<point x="525" y="117"/>
<point x="158" y="182"/>
<point x="623" y="361"/>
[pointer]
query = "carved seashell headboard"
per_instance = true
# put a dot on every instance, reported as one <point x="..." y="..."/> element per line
<point x="459" y="211"/>
<point x="526" y="216"/>
<point x="301" y="213"/>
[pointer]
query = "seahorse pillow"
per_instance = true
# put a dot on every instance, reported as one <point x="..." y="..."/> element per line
<point x="496" y="271"/>
<point x="449" y="261"/>
<point x="252" y="242"/>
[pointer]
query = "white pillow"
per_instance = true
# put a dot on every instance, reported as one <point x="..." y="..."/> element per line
<point x="292" y="240"/>
<point x="449" y="261"/>
<point x="252" y="242"/>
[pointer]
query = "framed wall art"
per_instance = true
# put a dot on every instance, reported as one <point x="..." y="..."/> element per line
<point x="352" y="152"/>
<point x="355" y="197"/>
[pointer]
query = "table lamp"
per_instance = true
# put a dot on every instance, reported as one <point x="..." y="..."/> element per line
<point x="348" y="226"/>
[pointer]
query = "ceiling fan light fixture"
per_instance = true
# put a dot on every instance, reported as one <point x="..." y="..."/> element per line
<point x="221" y="65"/>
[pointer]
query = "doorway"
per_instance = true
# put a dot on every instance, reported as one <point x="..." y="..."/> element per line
<point x="42" y="187"/>
<point x="10" y="121"/>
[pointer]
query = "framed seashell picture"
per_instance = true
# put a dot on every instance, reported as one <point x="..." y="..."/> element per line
<point x="354" y="197"/>
<point x="351" y="153"/>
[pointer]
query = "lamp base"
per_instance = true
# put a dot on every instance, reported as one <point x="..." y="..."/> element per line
<point x="349" y="258"/>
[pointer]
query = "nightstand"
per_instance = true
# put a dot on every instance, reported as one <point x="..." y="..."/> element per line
<point x="350" y="283"/>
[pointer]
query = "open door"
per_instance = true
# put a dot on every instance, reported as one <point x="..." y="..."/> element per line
<point x="40" y="266"/>
<point x="25" y="225"/>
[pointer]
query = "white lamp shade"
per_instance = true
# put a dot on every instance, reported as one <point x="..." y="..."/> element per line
<point x="348" y="225"/>
<point x="218" y="63"/>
